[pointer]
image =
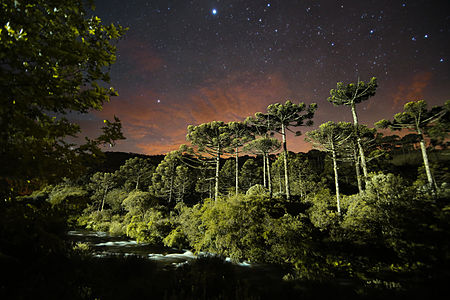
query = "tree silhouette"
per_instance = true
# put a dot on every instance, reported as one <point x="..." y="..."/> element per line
<point x="417" y="117"/>
<point x="240" y="134"/>
<point x="212" y="139"/>
<point x="352" y="94"/>
<point x="283" y="116"/>
<point x="330" y="137"/>
<point x="264" y="146"/>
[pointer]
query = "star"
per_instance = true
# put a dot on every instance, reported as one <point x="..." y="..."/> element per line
<point x="214" y="11"/>
<point x="158" y="101"/>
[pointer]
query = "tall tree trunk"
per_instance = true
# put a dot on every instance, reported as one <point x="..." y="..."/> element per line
<point x="216" y="189"/>
<point x="336" y="179"/>
<point x="269" y="180"/>
<point x="237" y="171"/>
<point x="264" y="169"/>
<point x="426" y="163"/>
<point x="280" y="189"/>
<point x="358" y="174"/>
<point x="104" y="197"/>
<point x="358" y="141"/>
<point x="137" y="183"/>
<point x="285" y="158"/>
<point x="171" y="187"/>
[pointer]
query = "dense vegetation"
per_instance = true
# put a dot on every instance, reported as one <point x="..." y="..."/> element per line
<point x="366" y="215"/>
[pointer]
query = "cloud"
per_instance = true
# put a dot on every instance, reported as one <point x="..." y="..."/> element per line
<point x="156" y="128"/>
<point x="412" y="90"/>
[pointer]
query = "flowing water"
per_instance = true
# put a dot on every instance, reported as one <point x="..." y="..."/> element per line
<point x="102" y="244"/>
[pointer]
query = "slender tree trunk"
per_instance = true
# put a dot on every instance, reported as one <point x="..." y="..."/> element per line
<point x="237" y="171"/>
<point x="269" y="180"/>
<point x="264" y="169"/>
<point x="210" y="189"/>
<point x="137" y="183"/>
<point x="358" y="141"/>
<point x="103" y="198"/>
<point x="216" y="189"/>
<point x="358" y="174"/>
<point x="171" y="188"/>
<point x="425" y="157"/>
<point x="280" y="189"/>
<point x="285" y="158"/>
<point x="336" y="179"/>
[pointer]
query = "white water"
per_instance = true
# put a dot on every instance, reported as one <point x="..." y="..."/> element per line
<point x="105" y="245"/>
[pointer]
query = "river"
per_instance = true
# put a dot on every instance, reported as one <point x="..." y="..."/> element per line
<point x="102" y="244"/>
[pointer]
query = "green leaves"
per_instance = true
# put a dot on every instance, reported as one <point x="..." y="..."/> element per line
<point x="58" y="61"/>
<point x="352" y="93"/>
<point x="290" y="114"/>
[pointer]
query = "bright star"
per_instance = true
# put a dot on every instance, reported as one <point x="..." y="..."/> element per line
<point x="441" y="60"/>
<point x="425" y="36"/>
<point x="159" y="101"/>
<point x="214" y="11"/>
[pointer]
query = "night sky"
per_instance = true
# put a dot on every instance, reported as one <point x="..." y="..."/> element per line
<point x="190" y="62"/>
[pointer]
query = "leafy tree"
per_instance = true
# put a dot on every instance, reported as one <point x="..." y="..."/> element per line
<point x="212" y="139"/>
<point x="240" y="134"/>
<point x="101" y="184"/>
<point x="283" y="116"/>
<point x="352" y="94"/>
<point x="250" y="174"/>
<point x="368" y="140"/>
<point x="330" y="137"/>
<point x="184" y="182"/>
<point x="417" y="117"/>
<point x="54" y="59"/>
<point x="114" y="199"/>
<point x="138" y="202"/>
<point x="163" y="179"/>
<point x="303" y="176"/>
<point x="136" y="172"/>
<point x="227" y="176"/>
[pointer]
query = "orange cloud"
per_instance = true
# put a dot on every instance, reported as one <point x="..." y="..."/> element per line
<point x="412" y="90"/>
<point x="156" y="128"/>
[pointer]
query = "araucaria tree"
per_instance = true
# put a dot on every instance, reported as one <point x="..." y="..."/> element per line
<point x="54" y="59"/>
<point x="264" y="146"/>
<point x="164" y="177"/>
<point x="101" y="184"/>
<point x="212" y="139"/>
<point x="259" y="125"/>
<point x="331" y="137"/>
<point x="417" y="117"/>
<point x="136" y="173"/>
<point x="240" y="134"/>
<point x="352" y="94"/>
<point x="283" y="116"/>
